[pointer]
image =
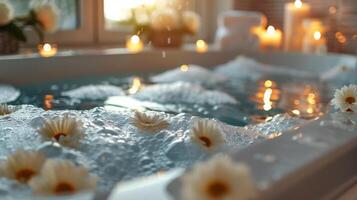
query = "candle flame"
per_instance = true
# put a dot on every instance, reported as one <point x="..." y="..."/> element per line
<point x="47" y="47"/>
<point x="184" y="68"/>
<point x="135" y="39"/>
<point x="201" y="46"/>
<point x="298" y="3"/>
<point x="317" y="35"/>
<point x="271" y="30"/>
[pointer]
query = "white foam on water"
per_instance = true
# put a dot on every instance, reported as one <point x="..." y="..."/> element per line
<point x="94" y="92"/>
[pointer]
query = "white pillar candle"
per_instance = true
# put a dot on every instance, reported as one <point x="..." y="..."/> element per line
<point x="294" y="15"/>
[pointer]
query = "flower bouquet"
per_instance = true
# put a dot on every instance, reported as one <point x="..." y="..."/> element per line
<point x="43" y="17"/>
<point x="163" y="26"/>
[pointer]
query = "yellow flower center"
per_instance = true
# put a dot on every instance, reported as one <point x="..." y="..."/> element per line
<point x="217" y="189"/>
<point x="350" y="100"/>
<point x="64" y="188"/>
<point x="58" y="135"/>
<point x="205" y="141"/>
<point x="24" y="175"/>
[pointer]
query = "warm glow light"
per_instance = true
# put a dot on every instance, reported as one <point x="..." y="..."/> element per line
<point x="48" y="102"/>
<point x="134" y="44"/>
<point x="271" y="30"/>
<point x="47" y="50"/>
<point x="298" y="3"/>
<point x="266" y="99"/>
<point x="317" y="35"/>
<point x="117" y="10"/>
<point x="136" y="85"/>
<point x="296" y="112"/>
<point x="201" y="46"/>
<point x="268" y="83"/>
<point x="184" y="68"/>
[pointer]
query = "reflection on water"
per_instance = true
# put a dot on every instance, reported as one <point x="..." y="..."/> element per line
<point x="267" y="95"/>
<point x="135" y="86"/>
<point x="297" y="99"/>
<point x="47" y="103"/>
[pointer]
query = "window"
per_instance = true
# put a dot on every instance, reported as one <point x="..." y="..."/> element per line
<point x="69" y="18"/>
<point x="97" y="22"/>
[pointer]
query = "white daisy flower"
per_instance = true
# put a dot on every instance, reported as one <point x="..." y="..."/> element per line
<point x="207" y="134"/>
<point x="62" y="177"/>
<point x="66" y="130"/>
<point x="22" y="165"/>
<point x="6" y="110"/>
<point x="151" y="122"/>
<point x="345" y="99"/>
<point x="345" y="120"/>
<point x="218" y="179"/>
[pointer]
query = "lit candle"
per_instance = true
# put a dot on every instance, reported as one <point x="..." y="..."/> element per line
<point x="294" y="15"/>
<point x="134" y="44"/>
<point x="201" y="46"/>
<point x="47" y="50"/>
<point x="184" y="68"/>
<point x="270" y="38"/>
<point x="314" y="42"/>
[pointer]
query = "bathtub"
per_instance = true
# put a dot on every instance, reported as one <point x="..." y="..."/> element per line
<point x="305" y="171"/>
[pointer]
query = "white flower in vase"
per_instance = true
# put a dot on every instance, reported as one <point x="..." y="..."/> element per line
<point x="345" y="99"/>
<point x="165" y="19"/>
<point x="150" y="122"/>
<point x="6" y="12"/>
<point x="62" y="177"/>
<point x="47" y="15"/>
<point x="22" y="165"/>
<point x="206" y="134"/>
<point x="66" y="130"/>
<point x="218" y="179"/>
<point x="191" y="21"/>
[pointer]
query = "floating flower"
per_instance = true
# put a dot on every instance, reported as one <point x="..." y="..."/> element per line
<point x="207" y="134"/>
<point x="62" y="177"/>
<point x="191" y="21"/>
<point x="218" y="179"/>
<point x="5" y="109"/>
<point x="151" y="122"/>
<point x="22" y="165"/>
<point x="165" y="19"/>
<point x="6" y="12"/>
<point x="345" y="120"/>
<point x="66" y="130"/>
<point x="345" y="99"/>
<point x="47" y="14"/>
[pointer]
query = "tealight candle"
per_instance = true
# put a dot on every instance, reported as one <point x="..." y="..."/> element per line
<point x="201" y="46"/>
<point x="270" y="38"/>
<point x="294" y="15"/>
<point x="47" y="50"/>
<point x="184" y="68"/>
<point x="134" y="44"/>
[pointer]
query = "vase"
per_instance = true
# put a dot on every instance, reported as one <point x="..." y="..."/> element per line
<point x="166" y="39"/>
<point x="8" y="43"/>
